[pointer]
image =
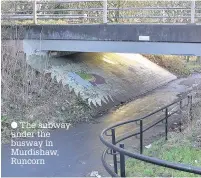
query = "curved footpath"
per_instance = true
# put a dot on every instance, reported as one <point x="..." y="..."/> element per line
<point x="80" y="148"/>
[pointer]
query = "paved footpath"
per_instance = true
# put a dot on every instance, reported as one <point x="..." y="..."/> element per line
<point x="80" y="148"/>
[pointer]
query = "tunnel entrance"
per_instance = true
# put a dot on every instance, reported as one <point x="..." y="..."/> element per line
<point x="103" y="79"/>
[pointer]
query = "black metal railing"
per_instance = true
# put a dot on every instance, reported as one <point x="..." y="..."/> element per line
<point x="121" y="152"/>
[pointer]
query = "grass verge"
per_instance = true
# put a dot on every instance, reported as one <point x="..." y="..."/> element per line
<point x="185" y="154"/>
<point x="184" y="148"/>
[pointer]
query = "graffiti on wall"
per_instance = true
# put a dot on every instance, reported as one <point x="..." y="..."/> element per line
<point x="86" y="79"/>
<point x="94" y="79"/>
<point x="99" y="82"/>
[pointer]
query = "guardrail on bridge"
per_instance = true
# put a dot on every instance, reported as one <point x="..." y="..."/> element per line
<point x="103" y="11"/>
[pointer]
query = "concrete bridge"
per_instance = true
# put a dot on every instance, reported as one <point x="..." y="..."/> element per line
<point x="175" y="39"/>
<point x="38" y="41"/>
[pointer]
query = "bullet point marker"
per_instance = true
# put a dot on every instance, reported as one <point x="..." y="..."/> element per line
<point x="14" y="125"/>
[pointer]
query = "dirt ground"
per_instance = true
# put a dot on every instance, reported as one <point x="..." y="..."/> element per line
<point x="30" y="96"/>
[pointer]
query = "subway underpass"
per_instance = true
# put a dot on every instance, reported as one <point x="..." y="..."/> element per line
<point x="100" y="80"/>
<point x="103" y="80"/>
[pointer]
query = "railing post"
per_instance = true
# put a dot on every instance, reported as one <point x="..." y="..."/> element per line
<point x="189" y="100"/>
<point x="114" y="152"/>
<point x="191" y="103"/>
<point x="141" y="136"/>
<point x="163" y="16"/>
<point x="166" y="124"/>
<point x="193" y="11"/>
<point x="122" y="162"/>
<point x="34" y="12"/>
<point x="180" y="104"/>
<point x="104" y="11"/>
<point x="180" y="107"/>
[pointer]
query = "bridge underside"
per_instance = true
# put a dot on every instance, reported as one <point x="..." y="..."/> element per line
<point x="179" y="39"/>
<point x="194" y="49"/>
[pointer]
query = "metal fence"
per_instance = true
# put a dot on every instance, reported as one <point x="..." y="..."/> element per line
<point x="102" y="11"/>
<point x="110" y="139"/>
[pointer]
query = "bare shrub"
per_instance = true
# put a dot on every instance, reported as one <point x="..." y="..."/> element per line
<point x="34" y="97"/>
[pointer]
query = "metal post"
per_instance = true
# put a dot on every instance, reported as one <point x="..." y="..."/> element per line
<point x="122" y="162"/>
<point x="180" y="104"/>
<point x="193" y="11"/>
<point x="163" y="16"/>
<point x="104" y="11"/>
<point x="189" y="100"/>
<point x="180" y="124"/>
<point x="34" y="12"/>
<point x="191" y="103"/>
<point x="166" y="123"/>
<point x="141" y="136"/>
<point x="114" y="152"/>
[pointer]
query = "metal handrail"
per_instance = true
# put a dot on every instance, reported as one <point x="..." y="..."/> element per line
<point x="109" y="9"/>
<point x="51" y="16"/>
<point x="105" y="14"/>
<point x="115" y="149"/>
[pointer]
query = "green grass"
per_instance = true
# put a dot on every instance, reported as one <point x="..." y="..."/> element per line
<point x="181" y="147"/>
<point x="3" y="118"/>
<point x="179" y="152"/>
